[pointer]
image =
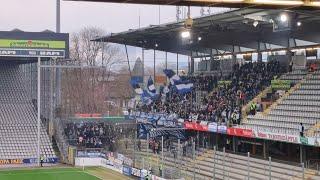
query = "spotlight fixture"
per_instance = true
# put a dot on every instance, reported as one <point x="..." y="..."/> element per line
<point x="283" y="17"/>
<point x="298" y="23"/>
<point x="255" y="23"/>
<point x="185" y="34"/>
<point x="199" y="38"/>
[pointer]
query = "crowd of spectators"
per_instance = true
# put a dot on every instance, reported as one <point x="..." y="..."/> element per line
<point x="224" y="102"/>
<point x="94" y="134"/>
<point x="204" y="82"/>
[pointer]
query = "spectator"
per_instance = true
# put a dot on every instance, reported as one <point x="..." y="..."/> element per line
<point x="290" y="66"/>
<point x="301" y="130"/>
<point x="253" y="108"/>
<point x="139" y="145"/>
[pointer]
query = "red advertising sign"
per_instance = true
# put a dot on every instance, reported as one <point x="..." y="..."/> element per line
<point x="240" y="132"/>
<point x="195" y="126"/>
<point x="277" y="137"/>
<point x="79" y="115"/>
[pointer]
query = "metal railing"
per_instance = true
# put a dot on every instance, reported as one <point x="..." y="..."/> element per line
<point x="61" y="139"/>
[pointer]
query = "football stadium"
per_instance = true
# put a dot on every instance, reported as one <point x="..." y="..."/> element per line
<point x="227" y="95"/>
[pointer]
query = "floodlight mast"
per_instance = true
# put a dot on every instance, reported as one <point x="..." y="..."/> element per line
<point x="38" y="111"/>
<point x="58" y="17"/>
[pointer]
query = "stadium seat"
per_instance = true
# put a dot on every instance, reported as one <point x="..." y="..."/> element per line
<point x="301" y="106"/>
<point x="18" y="119"/>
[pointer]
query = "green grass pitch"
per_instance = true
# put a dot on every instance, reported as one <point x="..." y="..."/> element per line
<point x="94" y="173"/>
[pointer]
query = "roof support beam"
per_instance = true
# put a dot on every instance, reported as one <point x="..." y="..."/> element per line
<point x="309" y="37"/>
<point x="280" y="39"/>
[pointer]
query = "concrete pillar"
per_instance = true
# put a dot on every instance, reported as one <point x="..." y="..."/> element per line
<point x="234" y="56"/>
<point x="264" y="149"/>
<point x="302" y="154"/>
<point x="234" y="143"/>
<point x="192" y="66"/>
<point x="217" y="142"/>
<point x="254" y="148"/>
<point x="259" y="56"/>
<point x="289" y="150"/>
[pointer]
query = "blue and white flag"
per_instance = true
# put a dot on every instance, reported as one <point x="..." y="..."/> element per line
<point x="147" y="97"/>
<point x="151" y="86"/>
<point x="184" y="87"/>
<point x="135" y="85"/>
<point x="173" y="77"/>
<point x="169" y="73"/>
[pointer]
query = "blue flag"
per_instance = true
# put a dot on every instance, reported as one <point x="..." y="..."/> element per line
<point x="184" y="87"/>
<point x="173" y="77"/>
<point x="151" y="86"/>
<point x="135" y="85"/>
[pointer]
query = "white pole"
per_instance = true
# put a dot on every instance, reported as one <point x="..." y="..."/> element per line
<point x="178" y="158"/>
<point x="248" y="165"/>
<point x="82" y="164"/>
<point x="302" y="165"/>
<point x="194" y="160"/>
<point x="224" y="159"/>
<point x="162" y="148"/>
<point x="58" y="71"/>
<point x="38" y="113"/>
<point x="162" y="161"/>
<point x="269" y="168"/>
<point x="214" y="162"/>
<point x="148" y="150"/>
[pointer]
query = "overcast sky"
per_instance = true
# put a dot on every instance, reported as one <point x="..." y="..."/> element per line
<point x="38" y="15"/>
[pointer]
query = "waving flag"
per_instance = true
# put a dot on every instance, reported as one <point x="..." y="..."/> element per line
<point x="184" y="87"/>
<point x="151" y="86"/>
<point x="147" y="97"/>
<point x="169" y="73"/>
<point x="135" y="85"/>
<point x="173" y="77"/>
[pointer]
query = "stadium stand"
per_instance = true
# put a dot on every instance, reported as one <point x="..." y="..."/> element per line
<point x="18" y="125"/>
<point x="95" y="134"/>
<point x="299" y="106"/>
<point x="207" y="163"/>
<point x="246" y="81"/>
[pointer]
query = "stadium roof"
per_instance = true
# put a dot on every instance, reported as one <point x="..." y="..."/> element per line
<point x="262" y="4"/>
<point x="230" y="32"/>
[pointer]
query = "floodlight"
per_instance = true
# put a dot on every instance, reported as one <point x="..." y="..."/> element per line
<point x="283" y="17"/>
<point x="199" y="38"/>
<point x="156" y="45"/>
<point x="298" y="23"/>
<point x="185" y="34"/>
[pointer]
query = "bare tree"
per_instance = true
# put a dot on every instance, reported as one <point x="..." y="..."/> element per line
<point x="85" y="90"/>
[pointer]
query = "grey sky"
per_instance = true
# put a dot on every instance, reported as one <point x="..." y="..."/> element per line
<point x="38" y="15"/>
